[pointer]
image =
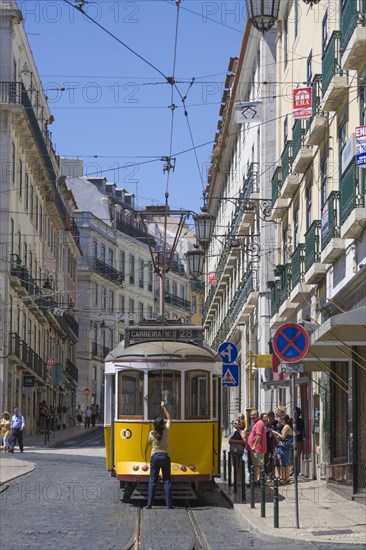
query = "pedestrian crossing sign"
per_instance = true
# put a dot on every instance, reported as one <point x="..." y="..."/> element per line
<point x="230" y="375"/>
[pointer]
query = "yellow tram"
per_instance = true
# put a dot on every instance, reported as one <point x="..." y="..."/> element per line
<point x="170" y="364"/>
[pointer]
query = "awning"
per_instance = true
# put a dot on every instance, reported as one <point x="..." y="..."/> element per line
<point x="333" y="340"/>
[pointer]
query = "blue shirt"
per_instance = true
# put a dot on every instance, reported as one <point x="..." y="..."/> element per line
<point x="17" y="421"/>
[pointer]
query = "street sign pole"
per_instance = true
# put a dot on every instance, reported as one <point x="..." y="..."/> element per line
<point x="294" y="443"/>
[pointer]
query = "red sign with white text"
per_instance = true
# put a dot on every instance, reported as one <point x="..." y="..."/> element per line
<point x="211" y="278"/>
<point x="302" y="102"/>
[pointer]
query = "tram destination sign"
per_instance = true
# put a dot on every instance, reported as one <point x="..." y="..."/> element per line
<point x="137" y="335"/>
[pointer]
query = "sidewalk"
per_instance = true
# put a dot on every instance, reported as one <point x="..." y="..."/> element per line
<point x="324" y="516"/>
<point x="11" y="467"/>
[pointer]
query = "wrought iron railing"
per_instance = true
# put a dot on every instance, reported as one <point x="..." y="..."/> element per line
<point x="353" y="13"/>
<point x="71" y="370"/>
<point x="135" y="230"/>
<point x="26" y="354"/>
<point x="316" y="86"/>
<point x="297" y="265"/>
<point x="312" y="244"/>
<point x="330" y="219"/>
<point x="285" y="283"/>
<point x="331" y="61"/>
<point x="298" y="136"/>
<point x="275" y="295"/>
<point x="352" y="191"/>
<point x="276" y="183"/>
<point x="99" y="351"/>
<point x="286" y="160"/>
<point x="71" y="324"/>
<point x="107" y="271"/>
<point x="177" y="301"/>
<point x="17" y="269"/>
<point x="246" y="286"/>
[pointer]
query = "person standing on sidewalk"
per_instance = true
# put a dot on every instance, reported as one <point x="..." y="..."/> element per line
<point x="257" y="443"/>
<point x="17" y="426"/>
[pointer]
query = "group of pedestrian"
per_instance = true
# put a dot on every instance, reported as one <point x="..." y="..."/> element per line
<point x="12" y="428"/>
<point x="90" y="415"/>
<point x="268" y="444"/>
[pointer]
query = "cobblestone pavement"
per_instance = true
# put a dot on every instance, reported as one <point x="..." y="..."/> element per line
<point x="70" y="502"/>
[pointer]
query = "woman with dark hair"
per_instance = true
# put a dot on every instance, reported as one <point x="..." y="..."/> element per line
<point x="284" y="447"/>
<point x="159" y="440"/>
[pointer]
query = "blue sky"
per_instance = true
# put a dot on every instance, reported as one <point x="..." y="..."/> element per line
<point x="116" y="107"/>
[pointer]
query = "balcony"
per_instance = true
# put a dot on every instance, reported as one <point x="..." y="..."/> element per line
<point x="302" y="154"/>
<point x="74" y="230"/>
<point x="244" y="298"/>
<point x="70" y="324"/>
<point x="57" y="208"/>
<point x="134" y="229"/>
<point x="71" y="370"/>
<point x="353" y="37"/>
<point x="299" y="290"/>
<point x="176" y="301"/>
<point x="222" y="333"/>
<point x="290" y="181"/>
<point x="332" y="245"/>
<point x="334" y="80"/>
<point x="275" y="296"/>
<point x="99" y="351"/>
<point x="315" y="271"/>
<point x="107" y="271"/>
<point x="317" y="125"/>
<point x="19" y="349"/>
<point x="352" y="202"/>
<point x="286" y="306"/>
<point x="280" y="204"/>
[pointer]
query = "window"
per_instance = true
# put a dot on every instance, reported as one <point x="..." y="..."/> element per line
<point x="31" y="202"/>
<point x="41" y="221"/>
<point x="164" y="386"/>
<point x="197" y="394"/>
<point x="111" y="300"/>
<point x="111" y="257"/>
<point x="131" y="311"/>
<point x="149" y="312"/>
<point x="95" y="249"/>
<point x="131" y="393"/>
<point x="132" y="269"/>
<point x="37" y="213"/>
<point x="104" y="297"/>
<point x="285" y="44"/>
<point x="13" y="162"/>
<point x="20" y="178"/>
<point x="11" y="236"/>
<point x="95" y="293"/>
<point x="141" y="274"/>
<point x="122" y="262"/>
<point x="102" y="253"/>
<point x="141" y="312"/>
<point x="308" y="205"/>
<point x="121" y="305"/>
<point x="150" y="277"/>
<point x="296" y="18"/>
<point x="309" y="68"/>
<point x="325" y="31"/>
<point x="26" y="192"/>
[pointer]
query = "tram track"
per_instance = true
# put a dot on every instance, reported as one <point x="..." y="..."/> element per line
<point x="178" y="528"/>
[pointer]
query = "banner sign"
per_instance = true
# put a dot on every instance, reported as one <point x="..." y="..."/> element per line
<point x="302" y="103"/>
<point x="361" y="146"/>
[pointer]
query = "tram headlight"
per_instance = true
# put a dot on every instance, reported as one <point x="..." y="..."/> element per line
<point x="183" y="468"/>
<point x="145" y="468"/>
<point x="135" y="467"/>
<point x="192" y="467"/>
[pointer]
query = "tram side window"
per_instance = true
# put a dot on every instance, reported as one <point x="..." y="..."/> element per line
<point x="197" y="394"/>
<point x="164" y="385"/>
<point x="131" y="394"/>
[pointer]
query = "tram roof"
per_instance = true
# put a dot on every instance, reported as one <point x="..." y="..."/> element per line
<point x="179" y="351"/>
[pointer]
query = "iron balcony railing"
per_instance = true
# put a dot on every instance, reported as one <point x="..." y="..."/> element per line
<point x="312" y="245"/>
<point x="107" y="271"/>
<point x="276" y="183"/>
<point x="70" y="324"/>
<point x="275" y="296"/>
<point x="316" y="86"/>
<point x="246" y="286"/>
<point x="17" y="269"/>
<point x="177" y="301"/>
<point x="71" y="370"/>
<point x="330" y="219"/>
<point x="353" y="13"/>
<point x="209" y="300"/>
<point x="284" y="274"/>
<point x="27" y="355"/>
<point x="331" y="60"/>
<point x="297" y="265"/>
<point x="298" y="136"/>
<point x="251" y="181"/>
<point x="11" y="93"/>
<point x="286" y="160"/>
<point x="134" y="230"/>
<point x="352" y="191"/>
<point x="99" y="351"/>
<point x="222" y="333"/>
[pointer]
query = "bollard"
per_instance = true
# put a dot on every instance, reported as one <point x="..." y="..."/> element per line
<point x="252" y="487"/>
<point x="224" y="460"/>
<point x="243" y="480"/>
<point x="229" y="469"/>
<point x="275" y="503"/>
<point x="235" y="463"/>
<point x="263" y="493"/>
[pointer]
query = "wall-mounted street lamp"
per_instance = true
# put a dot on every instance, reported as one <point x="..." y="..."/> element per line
<point x="204" y="224"/>
<point x="195" y="261"/>
<point x="263" y="13"/>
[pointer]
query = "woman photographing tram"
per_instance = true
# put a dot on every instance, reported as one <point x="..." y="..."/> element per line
<point x="159" y="440"/>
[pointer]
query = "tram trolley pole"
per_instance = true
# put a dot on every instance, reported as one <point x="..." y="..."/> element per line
<point x="229" y="468"/>
<point x="225" y="465"/>
<point x="276" y="522"/>
<point x="252" y="505"/>
<point x="243" y="480"/>
<point x="263" y="493"/>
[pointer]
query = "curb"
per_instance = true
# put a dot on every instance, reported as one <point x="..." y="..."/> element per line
<point x="4" y="484"/>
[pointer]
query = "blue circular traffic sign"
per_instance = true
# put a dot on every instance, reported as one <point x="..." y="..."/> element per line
<point x="228" y="352"/>
<point x="291" y="342"/>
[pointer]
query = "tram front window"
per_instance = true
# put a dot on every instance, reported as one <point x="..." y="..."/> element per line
<point x="131" y="394"/>
<point x="197" y="394"/>
<point x="164" y="385"/>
